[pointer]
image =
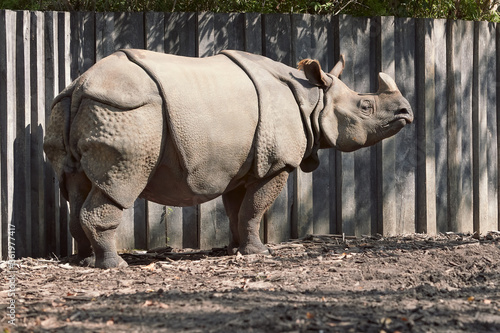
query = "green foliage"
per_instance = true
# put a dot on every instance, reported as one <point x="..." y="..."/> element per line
<point x="449" y="9"/>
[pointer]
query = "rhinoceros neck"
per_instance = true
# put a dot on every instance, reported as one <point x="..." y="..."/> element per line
<point x="287" y="100"/>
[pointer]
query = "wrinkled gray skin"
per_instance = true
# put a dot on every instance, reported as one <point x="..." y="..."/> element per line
<point x="198" y="129"/>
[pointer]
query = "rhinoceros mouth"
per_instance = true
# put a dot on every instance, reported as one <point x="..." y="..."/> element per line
<point x="403" y="119"/>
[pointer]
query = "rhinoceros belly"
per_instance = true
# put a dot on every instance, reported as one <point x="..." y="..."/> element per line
<point x="212" y="115"/>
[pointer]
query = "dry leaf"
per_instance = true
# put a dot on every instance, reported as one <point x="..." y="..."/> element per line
<point x="309" y="315"/>
<point x="163" y="305"/>
<point x="148" y="303"/>
<point x="150" y="267"/>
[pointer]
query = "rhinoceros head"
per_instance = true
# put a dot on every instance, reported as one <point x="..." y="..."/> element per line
<point x="352" y="120"/>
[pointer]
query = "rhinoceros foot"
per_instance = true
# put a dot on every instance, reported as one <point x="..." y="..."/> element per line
<point x="85" y="261"/>
<point x="109" y="260"/>
<point x="254" y="249"/>
<point x="88" y="261"/>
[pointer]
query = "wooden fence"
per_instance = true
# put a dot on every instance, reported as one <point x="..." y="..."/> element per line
<point x="439" y="174"/>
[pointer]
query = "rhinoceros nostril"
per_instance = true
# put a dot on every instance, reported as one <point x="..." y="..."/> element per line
<point x="406" y="114"/>
<point x="403" y="111"/>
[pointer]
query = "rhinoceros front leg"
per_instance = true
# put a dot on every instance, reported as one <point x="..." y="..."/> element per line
<point x="258" y="198"/>
<point x="100" y="217"/>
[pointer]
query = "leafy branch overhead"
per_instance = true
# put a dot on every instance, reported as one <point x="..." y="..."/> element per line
<point x="478" y="10"/>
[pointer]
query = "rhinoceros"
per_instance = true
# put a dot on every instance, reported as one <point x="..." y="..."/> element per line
<point x="181" y="131"/>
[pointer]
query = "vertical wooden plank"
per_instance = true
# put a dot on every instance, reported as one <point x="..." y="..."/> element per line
<point x="253" y="44"/>
<point x="82" y="56"/>
<point x="358" y="192"/>
<point x="302" y="214"/>
<point x="406" y="154"/>
<point x="348" y="46"/>
<point x="277" y="46"/>
<point x="205" y="35"/>
<point x="212" y="220"/>
<point x="154" y="24"/>
<point x="387" y="222"/>
<point x="51" y="90"/>
<point x="425" y="114"/>
<point x="7" y="123"/>
<point x="180" y="33"/>
<point x="208" y="227"/>
<point x="37" y="77"/>
<point x="128" y="32"/>
<point x="440" y="130"/>
<point x="229" y="32"/>
<point x="322" y="199"/>
<point x="490" y="81"/>
<point x="3" y="106"/>
<point x="64" y="65"/>
<point x="492" y="128"/>
<point x="484" y="129"/>
<point x="452" y="154"/>
<point x="21" y="145"/>
<point x="180" y="39"/>
<point x="190" y="230"/>
<point x="253" y="33"/>
<point x="335" y="155"/>
<point x="104" y="35"/>
<point x="155" y="213"/>
<point x="460" y="128"/>
<point x="480" y="183"/>
<point x="221" y="32"/>
<point x="496" y="91"/>
<point x="83" y="42"/>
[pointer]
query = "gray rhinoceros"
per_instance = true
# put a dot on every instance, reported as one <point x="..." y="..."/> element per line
<point x="181" y="131"/>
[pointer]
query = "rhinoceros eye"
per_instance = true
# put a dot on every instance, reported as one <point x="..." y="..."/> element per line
<point x="366" y="106"/>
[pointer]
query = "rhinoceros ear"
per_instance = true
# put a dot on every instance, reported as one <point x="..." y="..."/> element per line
<point x="386" y="83"/>
<point x="339" y="67"/>
<point x="313" y="72"/>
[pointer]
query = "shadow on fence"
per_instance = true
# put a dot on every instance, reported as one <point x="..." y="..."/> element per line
<point x="440" y="174"/>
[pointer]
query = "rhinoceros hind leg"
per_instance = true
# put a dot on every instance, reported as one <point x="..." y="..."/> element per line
<point x="100" y="217"/>
<point x="258" y="198"/>
<point x="78" y="187"/>
<point x="232" y="202"/>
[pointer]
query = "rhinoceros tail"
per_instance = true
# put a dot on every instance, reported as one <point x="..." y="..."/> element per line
<point x="56" y="140"/>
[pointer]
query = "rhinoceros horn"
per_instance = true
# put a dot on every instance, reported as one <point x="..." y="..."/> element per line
<point x="386" y="83"/>
<point x="339" y="67"/>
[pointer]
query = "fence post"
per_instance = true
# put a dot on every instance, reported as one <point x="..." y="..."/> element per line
<point x="484" y="122"/>
<point x="155" y="214"/>
<point x="440" y="124"/>
<point x="7" y="124"/>
<point x="358" y="194"/>
<point x="460" y="182"/>
<point x="277" y="46"/>
<point x="405" y="150"/>
<point x="425" y="114"/>
<point x="38" y="164"/>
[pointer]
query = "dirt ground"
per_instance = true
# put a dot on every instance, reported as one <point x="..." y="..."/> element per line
<point x="415" y="283"/>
